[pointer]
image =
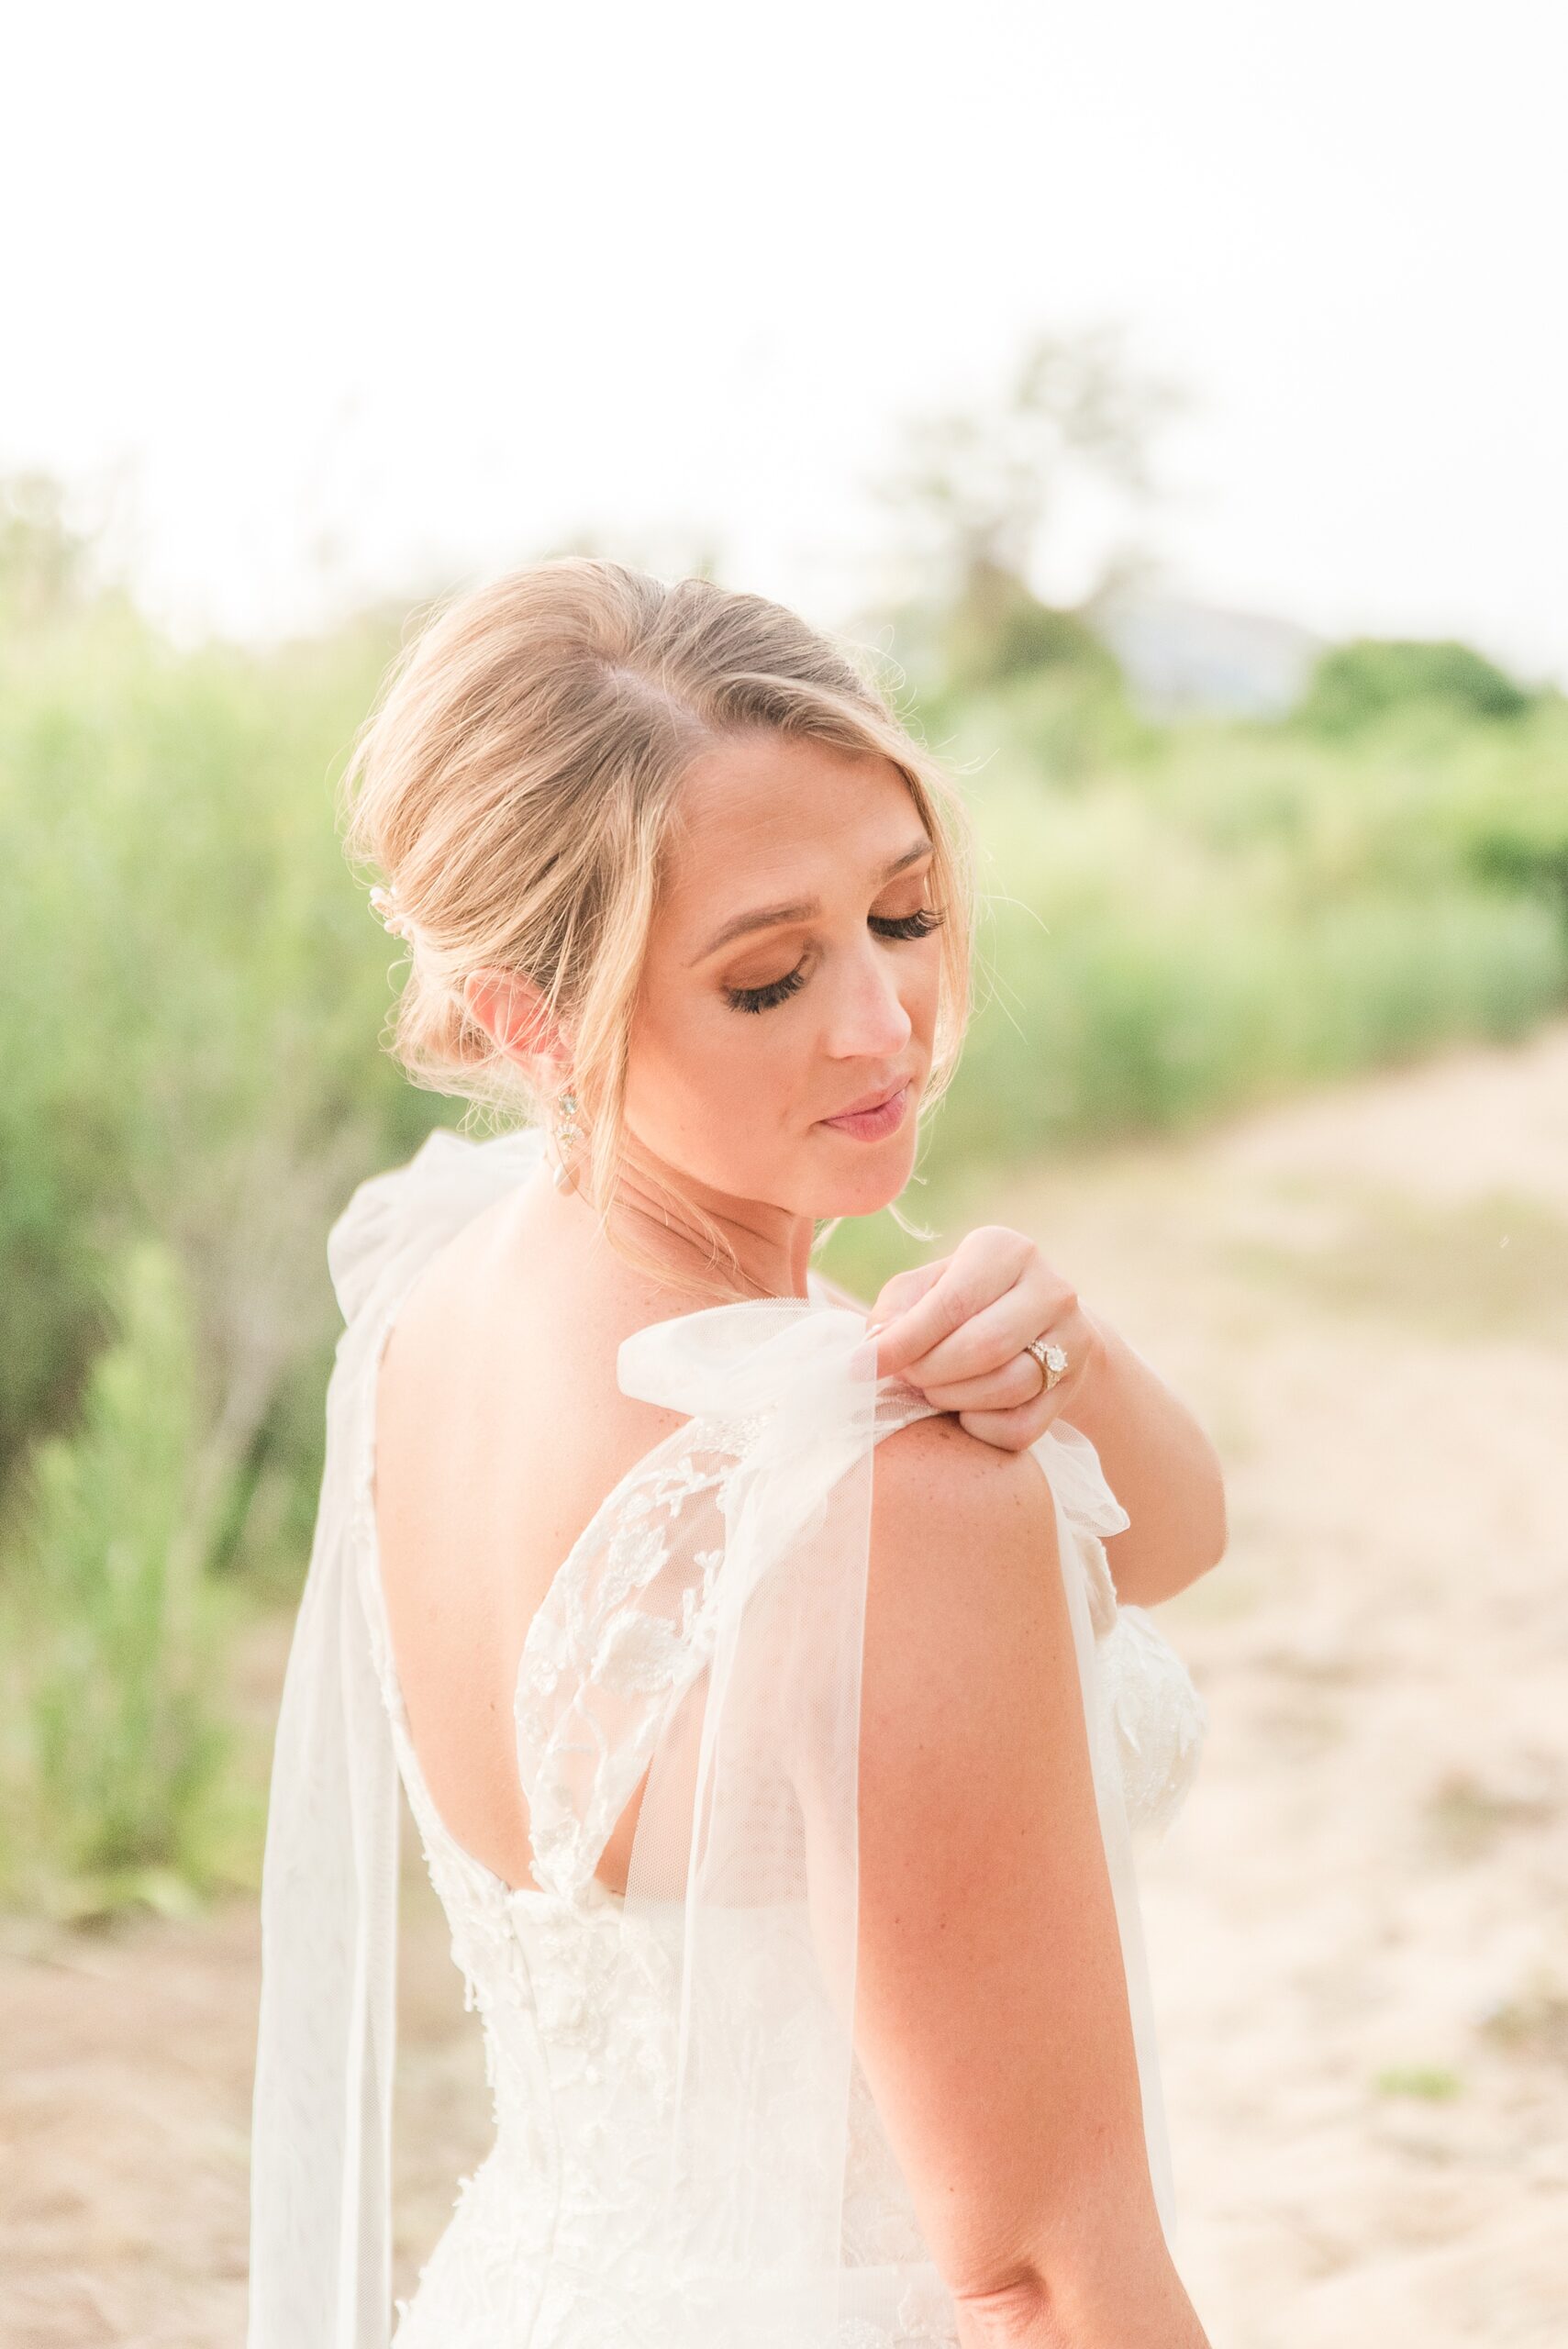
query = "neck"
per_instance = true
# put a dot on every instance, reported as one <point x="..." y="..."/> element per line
<point x="771" y="1246"/>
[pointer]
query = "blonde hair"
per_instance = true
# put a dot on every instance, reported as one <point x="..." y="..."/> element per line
<point x="516" y="786"/>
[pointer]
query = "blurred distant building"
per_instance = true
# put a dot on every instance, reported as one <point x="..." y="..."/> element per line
<point x="1181" y="657"/>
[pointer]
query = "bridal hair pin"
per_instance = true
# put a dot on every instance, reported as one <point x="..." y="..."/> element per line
<point x="391" y="917"/>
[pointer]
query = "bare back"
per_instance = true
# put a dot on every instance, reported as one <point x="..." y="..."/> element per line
<point x="500" y="1428"/>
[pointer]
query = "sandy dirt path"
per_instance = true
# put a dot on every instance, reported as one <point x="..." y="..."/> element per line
<point x="1358" y="1927"/>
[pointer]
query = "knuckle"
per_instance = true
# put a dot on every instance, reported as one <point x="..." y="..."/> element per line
<point x="958" y="1304"/>
<point x="1001" y="1237"/>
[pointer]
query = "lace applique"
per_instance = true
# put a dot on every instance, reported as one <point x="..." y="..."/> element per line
<point x="1161" y="1720"/>
<point x="622" y="1633"/>
<point x="1156" y="1716"/>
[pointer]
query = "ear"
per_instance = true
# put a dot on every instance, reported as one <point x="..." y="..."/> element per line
<point x="513" y="1014"/>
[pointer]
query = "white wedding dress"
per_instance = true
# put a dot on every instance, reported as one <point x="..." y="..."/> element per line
<point x="559" y="2239"/>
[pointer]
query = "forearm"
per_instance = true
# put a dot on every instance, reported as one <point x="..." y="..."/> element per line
<point x="1162" y="1467"/>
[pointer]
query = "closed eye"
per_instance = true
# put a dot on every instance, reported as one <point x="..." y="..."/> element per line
<point x="764" y="998"/>
<point x="919" y="924"/>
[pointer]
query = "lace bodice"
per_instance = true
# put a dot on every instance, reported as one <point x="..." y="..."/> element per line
<point x="552" y="2243"/>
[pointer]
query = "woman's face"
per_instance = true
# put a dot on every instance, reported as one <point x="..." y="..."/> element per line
<point x="790" y="983"/>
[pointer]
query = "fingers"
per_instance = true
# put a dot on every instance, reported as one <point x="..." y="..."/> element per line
<point x="929" y="1320"/>
<point x="903" y="1290"/>
<point x="1019" y="1380"/>
<point x="991" y="1341"/>
<point x="983" y="1269"/>
<point x="1005" y="1430"/>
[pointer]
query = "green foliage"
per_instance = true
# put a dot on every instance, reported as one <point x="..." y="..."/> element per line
<point x="1204" y="918"/>
<point x="996" y="630"/>
<point x="1072" y="723"/>
<point x="1507" y="823"/>
<point x="1178" y="921"/>
<point x="193" y="996"/>
<point x="1354" y="685"/>
<point x="114" y="1742"/>
<point x="1432" y="2083"/>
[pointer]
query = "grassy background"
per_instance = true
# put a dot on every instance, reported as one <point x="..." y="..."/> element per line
<point x="1179" y="921"/>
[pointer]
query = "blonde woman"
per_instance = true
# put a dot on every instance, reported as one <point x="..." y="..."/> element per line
<point x="757" y="1678"/>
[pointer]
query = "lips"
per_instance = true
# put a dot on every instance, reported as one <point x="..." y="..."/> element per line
<point x="868" y="1101"/>
<point x="875" y="1117"/>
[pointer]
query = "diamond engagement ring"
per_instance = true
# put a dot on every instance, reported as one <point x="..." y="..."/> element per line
<point x="1052" y="1361"/>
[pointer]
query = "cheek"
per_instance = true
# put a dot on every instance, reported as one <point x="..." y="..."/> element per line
<point x="707" y="1084"/>
<point x="921" y="994"/>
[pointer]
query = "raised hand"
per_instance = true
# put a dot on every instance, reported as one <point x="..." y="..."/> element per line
<point x="957" y="1329"/>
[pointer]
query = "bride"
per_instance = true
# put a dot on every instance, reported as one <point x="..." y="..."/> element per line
<point x="775" y="1722"/>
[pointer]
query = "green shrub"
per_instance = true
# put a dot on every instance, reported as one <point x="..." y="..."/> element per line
<point x="1504" y="817"/>
<point x="1180" y="920"/>
<point x="114" y="1633"/>
<point x="1354" y="684"/>
<point x="195" y="995"/>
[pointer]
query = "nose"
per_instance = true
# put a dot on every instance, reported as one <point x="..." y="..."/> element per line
<point x="870" y="1020"/>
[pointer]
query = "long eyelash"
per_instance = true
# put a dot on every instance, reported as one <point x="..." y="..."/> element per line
<point x="918" y="924"/>
<point x="764" y="998"/>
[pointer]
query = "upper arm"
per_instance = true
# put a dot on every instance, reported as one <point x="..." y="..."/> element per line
<point x="992" y="2014"/>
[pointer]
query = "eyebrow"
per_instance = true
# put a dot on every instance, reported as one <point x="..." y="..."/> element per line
<point x="775" y="917"/>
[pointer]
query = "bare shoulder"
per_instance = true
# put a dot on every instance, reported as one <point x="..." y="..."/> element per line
<point x="963" y="1596"/>
<point x="940" y="1491"/>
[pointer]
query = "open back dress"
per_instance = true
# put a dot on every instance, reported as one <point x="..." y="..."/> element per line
<point x="686" y="2155"/>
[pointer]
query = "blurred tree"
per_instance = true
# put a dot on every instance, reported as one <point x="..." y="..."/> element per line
<point x="976" y="488"/>
<point x="997" y="628"/>
<point x="1354" y="684"/>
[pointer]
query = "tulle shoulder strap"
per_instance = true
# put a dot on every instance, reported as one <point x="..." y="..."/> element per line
<point x="1072" y="1465"/>
<point x="633" y="1615"/>
<point x="746" y="1839"/>
<point x="395" y="1219"/>
<point x="715" y="1643"/>
<point x="743" y="1866"/>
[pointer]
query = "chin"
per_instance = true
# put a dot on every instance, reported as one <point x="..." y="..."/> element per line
<point x="867" y="1189"/>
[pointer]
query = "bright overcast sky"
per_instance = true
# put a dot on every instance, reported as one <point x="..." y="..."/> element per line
<point x="438" y="285"/>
